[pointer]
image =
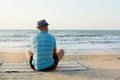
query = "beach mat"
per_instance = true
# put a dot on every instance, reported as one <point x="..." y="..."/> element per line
<point x="25" y="67"/>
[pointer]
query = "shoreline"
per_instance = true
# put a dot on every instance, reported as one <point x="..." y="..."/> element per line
<point x="81" y="52"/>
<point x="20" y="56"/>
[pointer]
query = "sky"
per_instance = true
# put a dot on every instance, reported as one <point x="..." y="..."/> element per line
<point x="60" y="14"/>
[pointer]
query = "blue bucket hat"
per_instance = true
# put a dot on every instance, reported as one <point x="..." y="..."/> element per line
<point x="42" y="23"/>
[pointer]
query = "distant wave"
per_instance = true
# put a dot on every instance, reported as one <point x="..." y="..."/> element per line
<point x="86" y="42"/>
<point x="14" y="35"/>
<point x="79" y="35"/>
<point x="18" y="35"/>
<point x="14" y="40"/>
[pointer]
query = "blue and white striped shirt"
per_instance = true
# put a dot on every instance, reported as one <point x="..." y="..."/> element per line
<point x="43" y="45"/>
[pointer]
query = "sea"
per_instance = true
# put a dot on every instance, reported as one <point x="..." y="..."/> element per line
<point x="72" y="41"/>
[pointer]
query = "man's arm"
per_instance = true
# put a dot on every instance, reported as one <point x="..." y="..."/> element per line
<point x="54" y="52"/>
<point x="55" y="49"/>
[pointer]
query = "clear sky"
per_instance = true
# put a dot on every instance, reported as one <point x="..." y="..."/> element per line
<point x="61" y="14"/>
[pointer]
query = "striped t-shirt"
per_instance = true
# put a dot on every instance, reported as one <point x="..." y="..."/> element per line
<point x="43" y="45"/>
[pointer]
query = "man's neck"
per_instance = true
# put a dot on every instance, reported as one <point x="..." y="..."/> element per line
<point x="42" y="31"/>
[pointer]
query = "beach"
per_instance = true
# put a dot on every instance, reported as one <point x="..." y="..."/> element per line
<point x="101" y="67"/>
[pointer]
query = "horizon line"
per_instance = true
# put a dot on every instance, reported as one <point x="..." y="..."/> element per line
<point x="61" y="29"/>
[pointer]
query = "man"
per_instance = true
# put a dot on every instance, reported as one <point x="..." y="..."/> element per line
<point x="43" y="55"/>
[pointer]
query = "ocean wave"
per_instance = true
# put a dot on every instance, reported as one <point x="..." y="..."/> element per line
<point x="87" y="42"/>
<point x="79" y="36"/>
<point x="14" y="36"/>
<point x="18" y="35"/>
<point x="22" y="46"/>
<point x="14" y="40"/>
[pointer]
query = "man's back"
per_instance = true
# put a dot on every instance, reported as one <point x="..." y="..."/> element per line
<point x="43" y="45"/>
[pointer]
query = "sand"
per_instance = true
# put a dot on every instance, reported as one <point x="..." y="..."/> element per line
<point x="101" y="67"/>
